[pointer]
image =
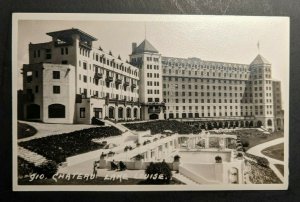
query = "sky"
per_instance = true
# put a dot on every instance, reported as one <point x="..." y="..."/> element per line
<point x="214" y="38"/>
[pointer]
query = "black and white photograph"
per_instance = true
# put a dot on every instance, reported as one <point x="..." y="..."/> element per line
<point x="135" y="102"/>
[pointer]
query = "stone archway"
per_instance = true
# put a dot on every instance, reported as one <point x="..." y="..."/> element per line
<point x="269" y="122"/>
<point x="259" y="124"/>
<point x="56" y="111"/>
<point x="215" y="125"/>
<point x="111" y="112"/>
<point x="251" y="124"/>
<point x="128" y="112"/>
<point x="120" y="113"/>
<point x="242" y="125"/>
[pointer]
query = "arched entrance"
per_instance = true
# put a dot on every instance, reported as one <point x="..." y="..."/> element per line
<point x="209" y="126"/>
<point x="251" y="124"/>
<point x="33" y="111"/>
<point x="120" y="113"/>
<point x="220" y="125"/>
<point x="269" y="122"/>
<point x="226" y="125"/>
<point x="215" y="125"/>
<point x="56" y="111"/>
<point x="153" y="116"/>
<point x="242" y="124"/>
<point x="111" y="112"/>
<point x="247" y="124"/>
<point x="236" y="124"/>
<point x="128" y="112"/>
<point x="259" y="124"/>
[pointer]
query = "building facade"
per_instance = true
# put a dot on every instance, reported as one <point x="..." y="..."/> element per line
<point x="67" y="80"/>
<point x="72" y="78"/>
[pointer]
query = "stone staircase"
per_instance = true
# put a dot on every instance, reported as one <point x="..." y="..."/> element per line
<point x="30" y="156"/>
<point x="184" y="179"/>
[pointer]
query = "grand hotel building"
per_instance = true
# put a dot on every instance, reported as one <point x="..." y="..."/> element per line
<point x="67" y="80"/>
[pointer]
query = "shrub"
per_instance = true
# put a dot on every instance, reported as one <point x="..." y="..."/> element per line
<point x="239" y="155"/>
<point x="245" y="143"/>
<point x="176" y="158"/>
<point x="49" y="168"/>
<point x="263" y="162"/>
<point x="218" y="159"/>
<point x="25" y="168"/>
<point x="59" y="147"/>
<point x="155" y="170"/>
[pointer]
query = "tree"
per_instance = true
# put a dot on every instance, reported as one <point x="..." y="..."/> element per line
<point x="155" y="170"/>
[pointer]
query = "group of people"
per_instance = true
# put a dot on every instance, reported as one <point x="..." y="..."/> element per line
<point x="118" y="166"/>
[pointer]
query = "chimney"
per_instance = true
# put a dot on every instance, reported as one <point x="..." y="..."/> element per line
<point x="133" y="47"/>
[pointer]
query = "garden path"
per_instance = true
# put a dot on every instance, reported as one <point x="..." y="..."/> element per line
<point x="257" y="151"/>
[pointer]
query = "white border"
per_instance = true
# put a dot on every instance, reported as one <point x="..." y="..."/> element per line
<point x="141" y="18"/>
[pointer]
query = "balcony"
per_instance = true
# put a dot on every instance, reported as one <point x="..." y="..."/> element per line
<point x="154" y="110"/>
<point x="154" y="104"/>
<point x="85" y="45"/>
<point x="126" y="83"/>
<point x="109" y="79"/>
<point x="62" y="43"/>
<point x="133" y="85"/>
<point x="98" y="76"/>
<point x="118" y="81"/>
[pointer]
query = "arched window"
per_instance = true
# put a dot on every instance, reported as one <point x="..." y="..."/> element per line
<point x="56" y="111"/>
<point x="269" y="122"/>
<point x="135" y="111"/>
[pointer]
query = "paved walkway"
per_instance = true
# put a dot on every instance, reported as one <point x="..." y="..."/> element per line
<point x="44" y="129"/>
<point x="257" y="151"/>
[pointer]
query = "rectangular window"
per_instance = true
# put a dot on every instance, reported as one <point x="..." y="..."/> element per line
<point x="36" y="89"/>
<point x="82" y="112"/>
<point x="84" y="65"/>
<point x="56" y="74"/>
<point x="56" y="89"/>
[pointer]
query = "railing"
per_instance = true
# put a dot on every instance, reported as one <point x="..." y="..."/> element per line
<point x="133" y="85"/>
<point x="126" y="83"/>
<point x="154" y="104"/>
<point x="118" y="81"/>
<point x="62" y="43"/>
<point x="109" y="79"/>
<point x="98" y="76"/>
<point x="85" y="45"/>
<point x="154" y="110"/>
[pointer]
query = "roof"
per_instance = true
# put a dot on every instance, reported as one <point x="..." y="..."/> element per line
<point x="66" y="34"/>
<point x="259" y="60"/>
<point x="145" y="46"/>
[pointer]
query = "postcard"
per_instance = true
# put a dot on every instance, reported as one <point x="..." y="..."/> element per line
<point x="129" y="102"/>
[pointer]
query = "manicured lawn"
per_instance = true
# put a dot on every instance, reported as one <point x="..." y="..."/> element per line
<point x="59" y="147"/>
<point x="280" y="168"/>
<point x="25" y="130"/>
<point x="255" y="137"/>
<point x="96" y="181"/>
<point x="275" y="152"/>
